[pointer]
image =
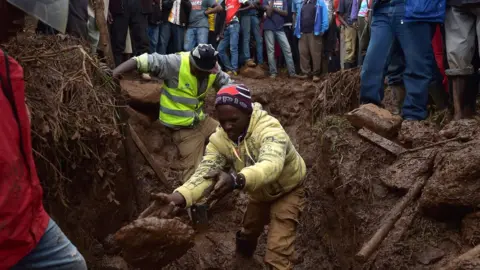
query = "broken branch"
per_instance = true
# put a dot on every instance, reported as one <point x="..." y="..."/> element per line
<point x="388" y="223"/>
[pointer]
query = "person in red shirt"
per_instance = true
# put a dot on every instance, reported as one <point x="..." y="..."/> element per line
<point x="29" y="238"/>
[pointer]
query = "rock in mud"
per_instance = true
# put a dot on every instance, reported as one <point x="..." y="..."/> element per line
<point x="430" y="255"/>
<point x="471" y="228"/>
<point x="460" y="128"/>
<point x="376" y="119"/>
<point x="417" y="133"/>
<point x="454" y="187"/>
<point x="153" y="242"/>
<point x="252" y="72"/>
<point x="113" y="263"/>
<point x="408" y="168"/>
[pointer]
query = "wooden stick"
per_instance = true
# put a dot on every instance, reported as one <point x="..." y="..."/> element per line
<point x="103" y="29"/>
<point x="434" y="144"/>
<point x="469" y="255"/>
<point x="146" y="154"/>
<point x="378" y="140"/>
<point x="388" y="223"/>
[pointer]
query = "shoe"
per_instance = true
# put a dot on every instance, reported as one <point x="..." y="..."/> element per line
<point x="273" y="76"/>
<point x="316" y="79"/>
<point x="398" y="97"/>
<point x="232" y="73"/>
<point x="250" y="63"/>
<point x="300" y="77"/>
<point x="146" y="76"/>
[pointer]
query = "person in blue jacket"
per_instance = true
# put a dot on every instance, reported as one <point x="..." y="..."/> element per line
<point x="311" y="21"/>
<point x="410" y="23"/>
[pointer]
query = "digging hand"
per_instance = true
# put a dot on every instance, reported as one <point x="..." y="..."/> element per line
<point x="162" y="207"/>
<point x="224" y="184"/>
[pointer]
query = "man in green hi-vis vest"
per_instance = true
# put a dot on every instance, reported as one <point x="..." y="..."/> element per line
<point x="187" y="76"/>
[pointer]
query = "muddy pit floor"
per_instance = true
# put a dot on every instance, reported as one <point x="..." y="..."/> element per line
<point x="346" y="197"/>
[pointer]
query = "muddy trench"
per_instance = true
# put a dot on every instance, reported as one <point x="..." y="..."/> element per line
<point x="347" y="196"/>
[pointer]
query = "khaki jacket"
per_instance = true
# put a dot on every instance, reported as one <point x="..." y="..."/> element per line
<point x="266" y="157"/>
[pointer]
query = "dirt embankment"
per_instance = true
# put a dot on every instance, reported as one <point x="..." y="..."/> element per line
<point x="347" y="185"/>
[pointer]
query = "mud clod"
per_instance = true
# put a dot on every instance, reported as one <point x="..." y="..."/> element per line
<point x="454" y="188"/>
<point x="156" y="242"/>
<point x="471" y="228"/>
<point x="408" y="168"/>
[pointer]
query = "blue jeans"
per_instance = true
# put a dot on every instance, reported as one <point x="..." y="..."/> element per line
<point x="270" y="37"/>
<point x="174" y="32"/>
<point x="195" y="36"/>
<point x="248" y="23"/>
<point x="154" y="35"/>
<point x="230" y="38"/>
<point x="414" y="38"/>
<point x="53" y="252"/>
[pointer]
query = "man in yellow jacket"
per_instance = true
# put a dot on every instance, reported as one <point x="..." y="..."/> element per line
<point x="265" y="165"/>
<point x="187" y="76"/>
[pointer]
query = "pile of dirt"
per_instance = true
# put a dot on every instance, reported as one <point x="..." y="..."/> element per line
<point x="74" y="123"/>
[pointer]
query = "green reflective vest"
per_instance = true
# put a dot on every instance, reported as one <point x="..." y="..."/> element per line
<point x="183" y="106"/>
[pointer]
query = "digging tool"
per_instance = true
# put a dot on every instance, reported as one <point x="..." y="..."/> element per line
<point x="199" y="215"/>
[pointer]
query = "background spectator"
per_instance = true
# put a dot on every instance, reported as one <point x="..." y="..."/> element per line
<point x="250" y="23"/>
<point x="276" y="11"/>
<point x="197" y="31"/>
<point x="311" y="23"/>
<point x="175" y="19"/>
<point x="133" y="14"/>
<point x="230" y="37"/>
<point x="363" y="30"/>
<point x="348" y="31"/>
<point x="461" y="33"/>
<point x="154" y="23"/>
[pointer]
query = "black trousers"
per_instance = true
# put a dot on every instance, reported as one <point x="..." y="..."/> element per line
<point x="132" y="17"/>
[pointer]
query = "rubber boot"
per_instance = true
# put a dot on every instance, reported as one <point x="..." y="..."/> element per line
<point x="398" y="98"/>
<point x="458" y="88"/>
<point x="245" y="248"/>
<point x="438" y="95"/>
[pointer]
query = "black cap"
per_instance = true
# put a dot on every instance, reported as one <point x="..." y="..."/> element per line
<point x="204" y="58"/>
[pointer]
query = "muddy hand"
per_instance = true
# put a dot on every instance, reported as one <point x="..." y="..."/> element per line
<point x="161" y="207"/>
<point x="224" y="184"/>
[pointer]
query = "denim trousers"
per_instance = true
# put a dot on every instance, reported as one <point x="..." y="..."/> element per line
<point x="154" y="35"/>
<point x="281" y="38"/>
<point x="230" y="39"/>
<point x="248" y="24"/>
<point x="195" y="36"/>
<point x="53" y="252"/>
<point x="387" y="28"/>
<point x="171" y="32"/>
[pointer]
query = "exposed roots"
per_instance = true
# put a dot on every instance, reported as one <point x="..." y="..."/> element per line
<point x="74" y="124"/>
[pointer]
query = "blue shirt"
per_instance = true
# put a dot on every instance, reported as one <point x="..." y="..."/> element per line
<point x="276" y="22"/>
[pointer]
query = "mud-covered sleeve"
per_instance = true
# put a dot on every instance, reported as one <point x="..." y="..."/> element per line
<point x="196" y="187"/>
<point x="158" y="65"/>
<point x="270" y="162"/>
<point x="222" y="80"/>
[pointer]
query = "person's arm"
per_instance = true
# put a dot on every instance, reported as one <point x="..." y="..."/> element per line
<point x="187" y="6"/>
<point x="197" y="186"/>
<point x="221" y="80"/>
<point x="155" y="64"/>
<point x="369" y="9"/>
<point x="270" y="160"/>
<point x="340" y="12"/>
<point x="215" y="8"/>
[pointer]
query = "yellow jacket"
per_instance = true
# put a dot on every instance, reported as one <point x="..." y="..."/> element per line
<point x="266" y="157"/>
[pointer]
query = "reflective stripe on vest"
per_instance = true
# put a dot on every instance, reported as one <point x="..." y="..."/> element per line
<point x="182" y="106"/>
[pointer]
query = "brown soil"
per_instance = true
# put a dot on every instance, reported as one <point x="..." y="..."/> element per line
<point x="347" y="197"/>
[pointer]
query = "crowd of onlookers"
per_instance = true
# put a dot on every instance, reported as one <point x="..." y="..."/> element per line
<point x="422" y="49"/>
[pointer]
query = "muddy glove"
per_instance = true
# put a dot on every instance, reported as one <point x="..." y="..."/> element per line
<point x="162" y="207"/>
<point x="224" y="183"/>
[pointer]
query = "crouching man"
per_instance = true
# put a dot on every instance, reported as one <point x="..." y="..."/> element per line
<point x="264" y="164"/>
